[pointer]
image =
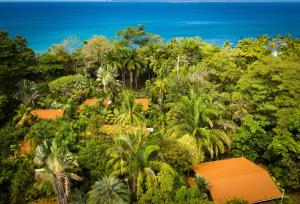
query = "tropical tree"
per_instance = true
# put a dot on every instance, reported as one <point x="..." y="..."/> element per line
<point x="108" y="190"/>
<point x="133" y="63"/>
<point x="27" y="92"/>
<point x="130" y="112"/>
<point x="23" y="116"/>
<point x="107" y="75"/>
<point x="94" y="51"/>
<point x="200" y="117"/>
<point x="132" y="156"/>
<point x="56" y="163"/>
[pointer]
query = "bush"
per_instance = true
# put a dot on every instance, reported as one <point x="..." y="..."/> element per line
<point x="236" y="201"/>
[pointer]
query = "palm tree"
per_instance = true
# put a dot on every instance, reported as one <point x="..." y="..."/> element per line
<point x="108" y="190"/>
<point x="133" y="157"/>
<point x="133" y="63"/>
<point x="56" y="162"/>
<point x="200" y="117"/>
<point x="130" y="114"/>
<point x="23" y="116"/>
<point x="27" y="92"/>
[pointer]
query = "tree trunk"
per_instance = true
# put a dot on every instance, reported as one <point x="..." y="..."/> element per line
<point x="131" y="78"/>
<point x="59" y="189"/>
<point x="177" y="66"/>
<point x="136" y="80"/>
<point x="123" y="76"/>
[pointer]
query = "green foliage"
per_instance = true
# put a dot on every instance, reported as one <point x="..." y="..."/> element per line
<point x="94" y="51"/>
<point x="237" y="201"/>
<point x="178" y="155"/>
<point x="200" y="117"/>
<point x="203" y="186"/>
<point x="207" y="103"/>
<point x="130" y="112"/>
<point x="17" y="61"/>
<point x="92" y="159"/>
<point x="159" y="188"/>
<point x="21" y="182"/>
<point x="108" y="190"/>
<point x="27" y="92"/>
<point x="56" y="62"/>
<point x="67" y="85"/>
<point x="66" y="135"/>
<point x="251" y="140"/>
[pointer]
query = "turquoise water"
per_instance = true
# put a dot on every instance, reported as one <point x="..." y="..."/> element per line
<point x="46" y="23"/>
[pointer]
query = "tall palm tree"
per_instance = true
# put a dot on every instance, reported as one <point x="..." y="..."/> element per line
<point x="133" y="157"/>
<point x="55" y="163"/>
<point x="114" y="58"/>
<point x="108" y="190"/>
<point x="200" y="117"/>
<point x="27" y="92"/>
<point x="133" y="63"/>
<point x="130" y="114"/>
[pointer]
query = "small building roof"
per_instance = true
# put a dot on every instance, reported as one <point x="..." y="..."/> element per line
<point x="143" y="101"/>
<point x="238" y="178"/>
<point x="91" y="101"/>
<point x="48" y="113"/>
<point x="88" y="102"/>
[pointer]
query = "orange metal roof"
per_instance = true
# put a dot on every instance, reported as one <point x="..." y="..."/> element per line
<point x="238" y="178"/>
<point x="143" y="101"/>
<point x="88" y="102"/>
<point x="91" y="101"/>
<point x="48" y="113"/>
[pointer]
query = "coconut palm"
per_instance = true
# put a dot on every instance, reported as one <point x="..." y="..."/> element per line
<point x="200" y="117"/>
<point x="133" y="157"/>
<point x="108" y="190"/>
<point x="27" y="92"/>
<point x="130" y="114"/>
<point x="56" y="163"/>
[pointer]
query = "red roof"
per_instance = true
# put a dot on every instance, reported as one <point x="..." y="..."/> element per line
<point x="48" y="113"/>
<point x="238" y="178"/>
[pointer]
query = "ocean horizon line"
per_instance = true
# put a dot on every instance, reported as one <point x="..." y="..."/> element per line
<point x="147" y="1"/>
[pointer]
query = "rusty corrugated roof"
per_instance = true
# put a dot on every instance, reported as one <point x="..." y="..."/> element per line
<point x="238" y="178"/>
<point x="48" y="113"/>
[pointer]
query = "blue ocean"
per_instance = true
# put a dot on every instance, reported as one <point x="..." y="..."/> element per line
<point x="44" y="24"/>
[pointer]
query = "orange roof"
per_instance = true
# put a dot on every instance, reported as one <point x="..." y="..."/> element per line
<point x="91" y="101"/>
<point x="238" y="178"/>
<point x="88" y="102"/>
<point x="24" y="147"/>
<point x="143" y="101"/>
<point x="48" y="113"/>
